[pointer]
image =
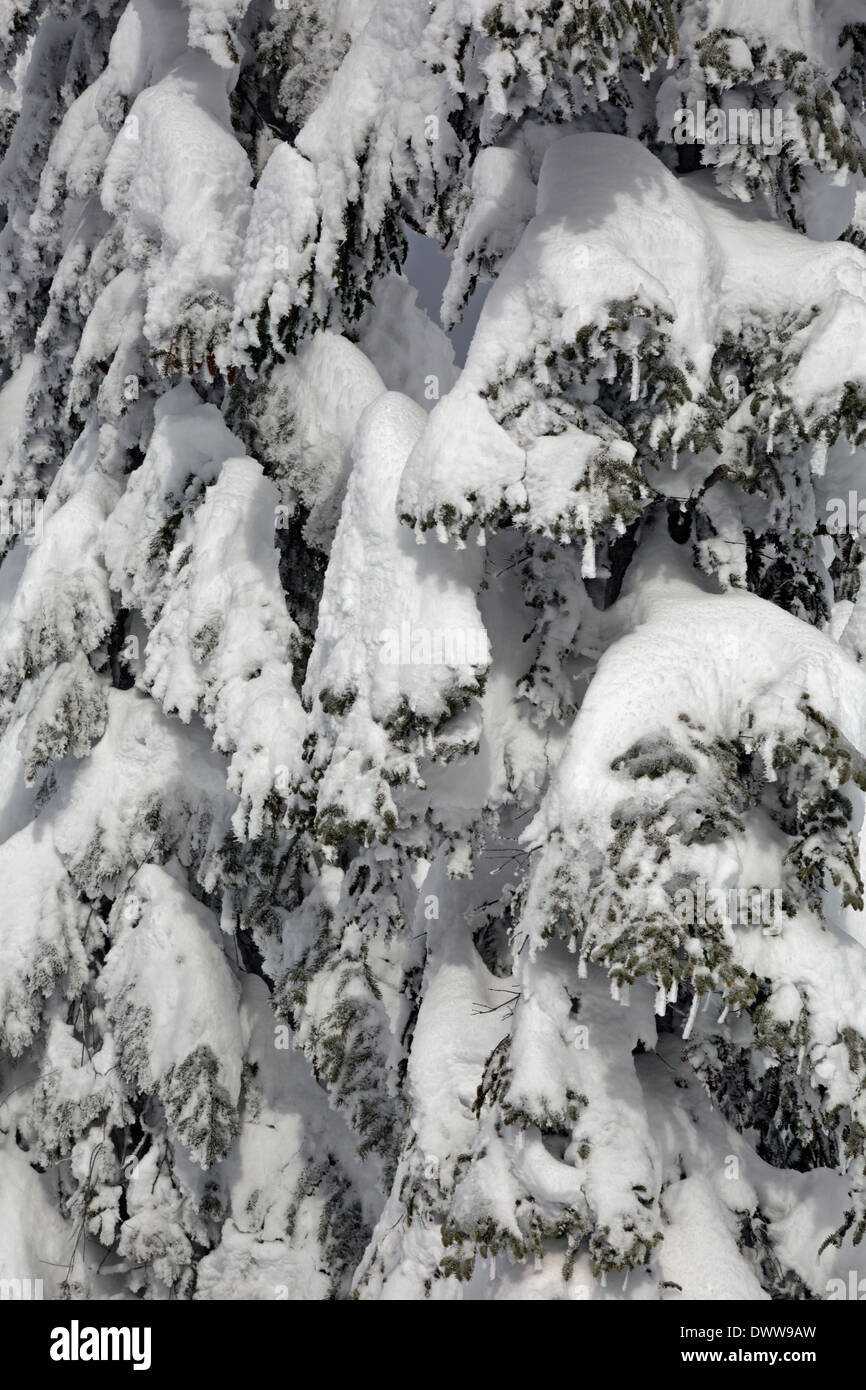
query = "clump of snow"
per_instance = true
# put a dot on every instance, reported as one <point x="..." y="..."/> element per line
<point x="279" y="248"/>
<point x="221" y="641"/>
<point x="179" y="183"/>
<point x="42" y="936"/>
<point x="167" y="985"/>
<point x="399" y="638"/>
<point x="503" y="202"/>
<point x="614" y="229"/>
<point x="305" y="423"/>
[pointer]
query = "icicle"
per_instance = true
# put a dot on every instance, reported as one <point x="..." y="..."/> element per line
<point x="723" y="1015"/>
<point x="615" y="991"/>
<point x="625" y="1281"/>
<point x="587" y="567"/>
<point x="660" y="1001"/>
<point x="771" y="430"/>
<point x="635" y="378"/>
<point x="481" y="538"/>
<point x="492" y="1268"/>
<point x="572" y="944"/>
<point x="672" y="993"/>
<point x="581" y="968"/>
<point x="538" y="1264"/>
<point x="687" y="1031"/>
<point x="800" y="1055"/>
<point x="227" y="916"/>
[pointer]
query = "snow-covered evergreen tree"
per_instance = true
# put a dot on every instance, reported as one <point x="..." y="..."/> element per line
<point x="431" y="791"/>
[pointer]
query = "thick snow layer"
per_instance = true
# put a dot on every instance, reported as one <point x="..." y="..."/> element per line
<point x="606" y="1151"/>
<point x="213" y="26"/>
<point x="383" y="595"/>
<point x="276" y="1176"/>
<point x="278" y="248"/>
<point x="758" y="663"/>
<point x="221" y="642"/>
<point x="86" y="836"/>
<point x="765" y="269"/>
<point x="801" y="1209"/>
<point x="61" y="602"/>
<point x="394" y="583"/>
<point x="189" y="444"/>
<point x="13" y="398"/>
<point x="580" y="253"/>
<point x="453" y="1036"/>
<point x="103" y="812"/>
<point x="167" y="964"/>
<point x="179" y="183"/>
<point x="42" y="929"/>
<point x="458" y="1025"/>
<point x="583" y="181"/>
<point x="663" y="679"/>
<point x="689" y="1208"/>
<point x="808" y="27"/>
<point x="789" y="67"/>
<point x="613" y="225"/>
<point x="305" y="424"/>
<point x="36" y="1241"/>
<point x="503" y="201"/>
<point x="110" y="334"/>
<point x="381" y="91"/>
<point x="398" y="633"/>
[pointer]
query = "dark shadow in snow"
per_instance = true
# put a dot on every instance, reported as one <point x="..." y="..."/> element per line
<point x="427" y="269"/>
